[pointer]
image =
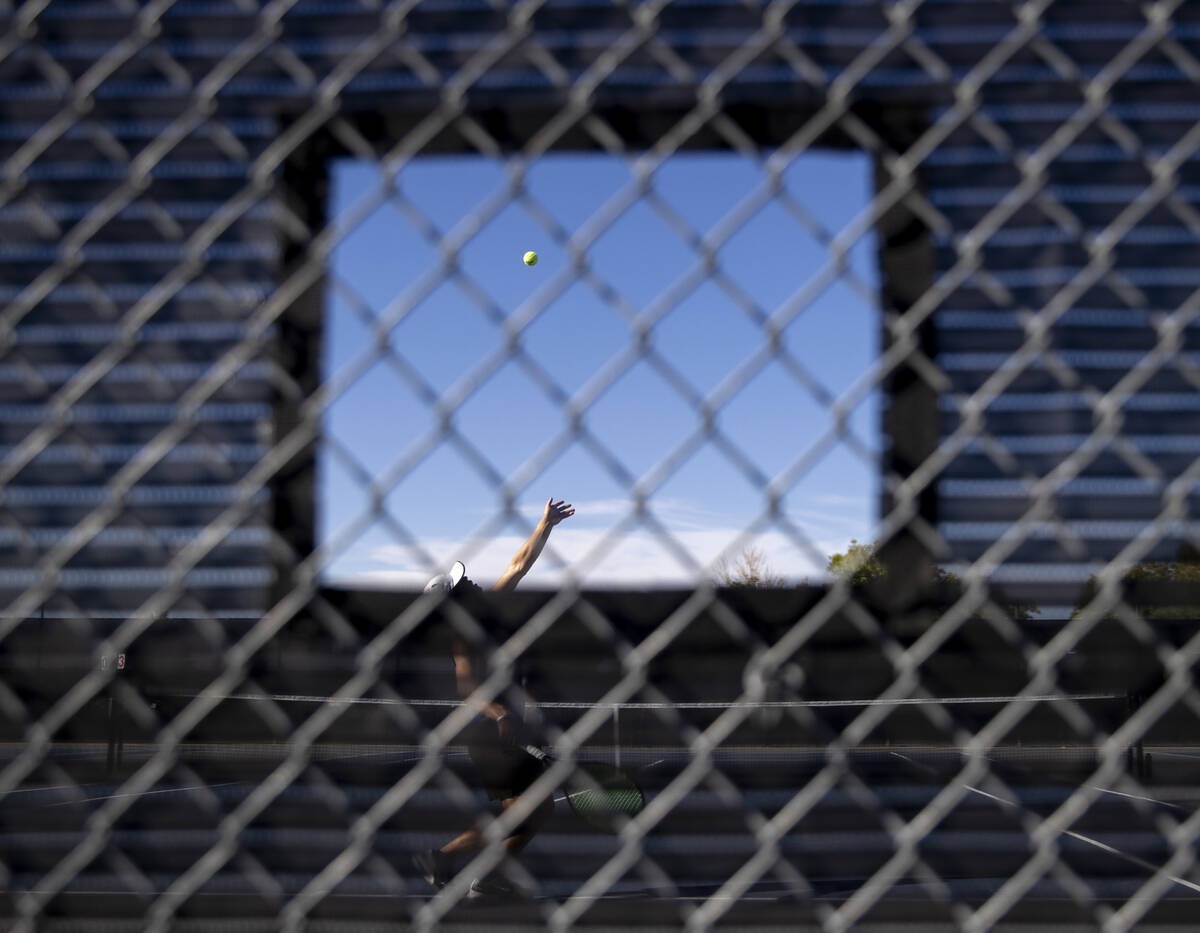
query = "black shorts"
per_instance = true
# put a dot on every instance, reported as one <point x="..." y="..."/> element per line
<point x="504" y="770"/>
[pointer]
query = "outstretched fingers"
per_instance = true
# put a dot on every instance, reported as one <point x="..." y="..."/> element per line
<point x="557" y="511"/>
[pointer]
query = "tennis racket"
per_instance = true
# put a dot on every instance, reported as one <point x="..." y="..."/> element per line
<point x="598" y="793"/>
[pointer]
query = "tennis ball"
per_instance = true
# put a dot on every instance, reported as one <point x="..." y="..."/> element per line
<point x="531" y="258"/>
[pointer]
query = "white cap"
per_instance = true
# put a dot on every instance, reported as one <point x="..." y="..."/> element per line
<point x="447" y="581"/>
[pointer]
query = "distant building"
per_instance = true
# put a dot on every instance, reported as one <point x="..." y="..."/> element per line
<point x="154" y="200"/>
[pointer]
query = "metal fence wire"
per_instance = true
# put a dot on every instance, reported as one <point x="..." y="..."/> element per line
<point x="197" y="732"/>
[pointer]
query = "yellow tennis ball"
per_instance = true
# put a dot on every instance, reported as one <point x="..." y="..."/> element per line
<point x="531" y="258"/>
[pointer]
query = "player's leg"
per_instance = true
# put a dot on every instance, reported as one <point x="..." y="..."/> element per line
<point x="523" y="769"/>
<point x="528" y="829"/>
<point x="439" y="866"/>
<point x="504" y="772"/>
<point x="469" y="841"/>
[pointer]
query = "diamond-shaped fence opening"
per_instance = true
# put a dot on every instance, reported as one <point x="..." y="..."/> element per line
<point x="256" y="338"/>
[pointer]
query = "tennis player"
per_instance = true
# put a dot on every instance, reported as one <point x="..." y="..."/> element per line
<point x="494" y="738"/>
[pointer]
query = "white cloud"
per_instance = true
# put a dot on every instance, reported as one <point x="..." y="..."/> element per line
<point x="639" y="558"/>
<point x="835" y="498"/>
<point x="680" y="510"/>
<point x="824" y="520"/>
<point x="389" y="579"/>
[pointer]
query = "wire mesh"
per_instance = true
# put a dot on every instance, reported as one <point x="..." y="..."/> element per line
<point x="198" y="732"/>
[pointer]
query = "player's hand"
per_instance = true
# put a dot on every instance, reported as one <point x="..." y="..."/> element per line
<point x="556" y="512"/>
<point x="507" y="727"/>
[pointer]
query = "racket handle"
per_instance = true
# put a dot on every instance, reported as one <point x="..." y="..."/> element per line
<point x="537" y="753"/>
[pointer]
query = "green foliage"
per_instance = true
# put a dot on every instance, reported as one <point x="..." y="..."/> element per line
<point x="859" y="564"/>
<point x="1021" y="612"/>
<point x="1164" y="572"/>
<point x="1141" y="580"/>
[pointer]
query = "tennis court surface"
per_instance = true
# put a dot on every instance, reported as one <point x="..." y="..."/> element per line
<point x="845" y="795"/>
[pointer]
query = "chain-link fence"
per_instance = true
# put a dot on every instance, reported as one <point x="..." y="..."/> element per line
<point x="990" y="723"/>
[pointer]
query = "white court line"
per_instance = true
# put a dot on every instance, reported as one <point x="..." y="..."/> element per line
<point x="1136" y="860"/>
<point x="147" y="793"/>
<point x="914" y="763"/>
<point x="1189" y="756"/>
<point x="49" y="787"/>
<point x="771" y="704"/>
<point x="1161" y="803"/>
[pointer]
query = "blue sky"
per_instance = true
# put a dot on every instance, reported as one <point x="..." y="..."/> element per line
<point x="642" y="263"/>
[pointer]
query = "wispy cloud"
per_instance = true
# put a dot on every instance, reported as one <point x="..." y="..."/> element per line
<point x="835" y="498"/>
<point x="641" y="557"/>
<point x="830" y="521"/>
<point x="680" y="511"/>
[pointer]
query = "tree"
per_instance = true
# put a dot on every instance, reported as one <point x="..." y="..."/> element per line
<point x="859" y="564"/>
<point x="1157" y="589"/>
<point x="750" y="570"/>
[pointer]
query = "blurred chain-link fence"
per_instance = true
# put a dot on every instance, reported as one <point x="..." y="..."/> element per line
<point x="997" y="727"/>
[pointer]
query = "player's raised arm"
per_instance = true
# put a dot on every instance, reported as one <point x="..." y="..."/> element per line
<point x="527" y="553"/>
